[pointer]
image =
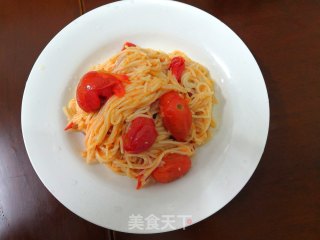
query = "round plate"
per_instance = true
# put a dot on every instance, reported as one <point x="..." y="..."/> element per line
<point x="220" y="168"/>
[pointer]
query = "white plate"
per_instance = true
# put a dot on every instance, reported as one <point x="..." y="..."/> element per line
<point x="220" y="169"/>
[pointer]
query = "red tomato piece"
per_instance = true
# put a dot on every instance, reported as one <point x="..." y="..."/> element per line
<point x="95" y="88"/>
<point x="139" y="182"/>
<point x="176" y="115"/>
<point x="140" y="136"/>
<point x="177" y="67"/>
<point x="174" y="166"/>
<point x="128" y="44"/>
<point x="69" y="126"/>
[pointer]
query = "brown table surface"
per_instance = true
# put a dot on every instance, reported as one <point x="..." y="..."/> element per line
<point x="282" y="199"/>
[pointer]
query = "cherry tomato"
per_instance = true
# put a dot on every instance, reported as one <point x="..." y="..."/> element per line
<point x="176" y="115"/>
<point x="128" y="44"/>
<point x="174" y="166"/>
<point x="177" y="67"/>
<point x="140" y="136"/>
<point x="95" y="88"/>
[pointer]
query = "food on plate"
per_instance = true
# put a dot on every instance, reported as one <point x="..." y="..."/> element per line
<point x="143" y="113"/>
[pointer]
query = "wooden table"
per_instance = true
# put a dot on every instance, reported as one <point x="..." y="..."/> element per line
<point x="282" y="199"/>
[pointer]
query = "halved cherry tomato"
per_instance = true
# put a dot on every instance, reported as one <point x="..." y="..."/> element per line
<point x="174" y="166"/>
<point x="177" y="67"/>
<point x="95" y="88"/>
<point x="128" y="44"/>
<point x="140" y="136"/>
<point x="176" y="115"/>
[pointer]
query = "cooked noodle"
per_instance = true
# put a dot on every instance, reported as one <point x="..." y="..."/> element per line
<point x="150" y="78"/>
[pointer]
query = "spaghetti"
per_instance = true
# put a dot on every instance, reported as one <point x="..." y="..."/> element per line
<point x="150" y="78"/>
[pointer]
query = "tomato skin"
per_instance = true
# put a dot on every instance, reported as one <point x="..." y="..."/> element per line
<point x="177" y="67"/>
<point x="139" y="182"/>
<point x="175" y="166"/>
<point x="69" y="126"/>
<point x="128" y="44"/>
<point x="140" y="136"/>
<point x="176" y="115"/>
<point x="95" y="88"/>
